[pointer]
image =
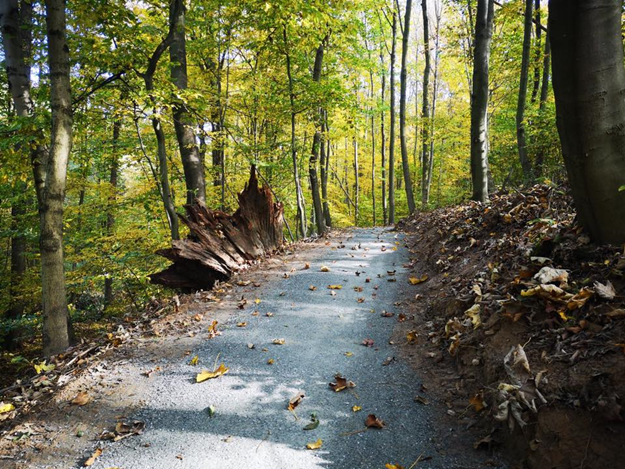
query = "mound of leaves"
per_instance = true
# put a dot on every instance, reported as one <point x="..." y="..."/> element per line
<point x="523" y="303"/>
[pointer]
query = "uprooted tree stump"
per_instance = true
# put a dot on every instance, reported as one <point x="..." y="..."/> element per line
<point x="219" y="244"/>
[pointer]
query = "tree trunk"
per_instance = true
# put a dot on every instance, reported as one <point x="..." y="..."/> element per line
<point x="356" y="181"/>
<point x="588" y="83"/>
<point x="110" y="216"/>
<point x="520" y="113"/>
<point x="18" y="268"/>
<point x="538" y="28"/>
<point x="371" y="96"/>
<point x="544" y="93"/>
<point x="317" y="143"/>
<point x="325" y="169"/>
<point x="56" y="328"/>
<point x="301" y="210"/>
<point x="402" y="108"/>
<point x="479" y="100"/>
<point x="391" y="143"/>
<point x="425" y="109"/>
<point x="383" y="145"/>
<point x="220" y="244"/>
<point x="183" y="120"/>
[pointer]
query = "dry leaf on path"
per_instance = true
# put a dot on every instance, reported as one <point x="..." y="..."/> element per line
<point x="314" y="422"/>
<point x="6" y="408"/>
<point x="295" y="401"/>
<point x="341" y="383"/>
<point x="367" y="342"/>
<point x="418" y="280"/>
<point x="96" y="454"/>
<point x="82" y="398"/>
<point x="411" y="337"/>
<point x="477" y="402"/>
<point x="393" y="466"/>
<point x="242" y="324"/>
<point x="373" y="422"/>
<point x="386" y="314"/>
<point x="206" y="375"/>
<point x="316" y="445"/>
<point x="194" y="361"/>
<point x="335" y="287"/>
<point x="278" y="341"/>
<point x="607" y="291"/>
<point x="356" y="408"/>
<point x="312" y="288"/>
<point x="324" y="269"/>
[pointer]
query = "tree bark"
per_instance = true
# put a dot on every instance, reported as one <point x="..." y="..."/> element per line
<point x="56" y="328"/>
<point x="325" y="169"/>
<point x="373" y="169"/>
<point x="183" y="120"/>
<point x="544" y="94"/>
<point x="110" y="216"/>
<point x="301" y="209"/>
<point x="538" y="31"/>
<point x="317" y="143"/>
<point x="588" y="83"/>
<point x="220" y="244"/>
<point x="520" y="113"/>
<point x="391" y="143"/>
<point x="425" y="109"/>
<point x="479" y="99"/>
<point x="356" y="181"/>
<point x="383" y="143"/>
<point x="402" y="108"/>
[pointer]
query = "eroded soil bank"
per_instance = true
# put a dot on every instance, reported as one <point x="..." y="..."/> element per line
<point x="530" y="314"/>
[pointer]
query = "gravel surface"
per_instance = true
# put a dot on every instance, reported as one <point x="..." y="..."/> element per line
<point x="251" y="426"/>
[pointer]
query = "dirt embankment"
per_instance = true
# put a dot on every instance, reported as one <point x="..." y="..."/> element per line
<point x="531" y="315"/>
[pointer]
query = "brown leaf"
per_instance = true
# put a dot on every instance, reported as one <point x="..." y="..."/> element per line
<point x="477" y="402"/>
<point x="82" y="398"/>
<point x="96" y="454"/>
<point x="386" y="314"/>
<point x="295" y="401"/>
<point x="341" y="383"/>
<point x="367" y="342"/>
<point x="402" y="317"/>
<point x="373" y="422"/>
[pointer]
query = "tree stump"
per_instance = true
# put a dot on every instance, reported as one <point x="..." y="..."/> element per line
<point x="219" y="244"/>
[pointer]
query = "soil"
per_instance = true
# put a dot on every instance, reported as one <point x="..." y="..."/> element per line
<point x="485" y="258"/>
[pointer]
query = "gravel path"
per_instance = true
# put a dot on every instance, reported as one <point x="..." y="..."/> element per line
<point x="251" y="426"/>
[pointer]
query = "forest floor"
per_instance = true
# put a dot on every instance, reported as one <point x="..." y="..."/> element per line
<point x="289" y="326"/>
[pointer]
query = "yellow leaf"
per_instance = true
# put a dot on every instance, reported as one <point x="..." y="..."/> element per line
<point x="349" y="354"/>
<point x="474" y="313"/>
<point x="270" y="361"/>
<point x="242" y="324"/>
<point x="205" y="375"/>
<point x="324" y="269"/>
<point x="316" y="445"/>
<point x="6" y="408"/>
<point x="335" y="287"/>
<point x="411" y="337"/>
<point x="356" y="408"/>
<point x="43" y="367"/>
<point x="194" y="361"/>
<point x="257" y="301"/>
<point x="393" y="466"/>
<point x="417" y="281"/>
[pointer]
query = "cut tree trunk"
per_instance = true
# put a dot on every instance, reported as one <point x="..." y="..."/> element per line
<point x="219" y="244"/>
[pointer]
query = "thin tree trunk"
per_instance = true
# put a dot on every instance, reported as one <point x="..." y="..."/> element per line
<point x="538" y="28"/>
<point x="325" y="169"/>
<point x="402" y="108"/>
<point x="18" y="268"/>
<point x="425" y="109"/>
<point x="183" y="120"/>
<point x="544" y="93"/>
<point x="356" y="181"/>
<point x="371" y="95"/>
<point x="383" y="144"/>
<point x="56" y="327"/>
<point x="317" y="143"/>
<point x="588" y="83"/>
<point x="479" y="100"/>
<point x="520" y="113"/>
<point x="391" y="143"/>
<point x="433" y="113"/>
<point x="110" y="216"/>
<point x="301" y="211"/>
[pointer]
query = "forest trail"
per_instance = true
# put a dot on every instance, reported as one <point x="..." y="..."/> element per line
<point x="323" y="332"/>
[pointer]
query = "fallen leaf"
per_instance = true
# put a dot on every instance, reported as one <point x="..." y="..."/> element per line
<point x="242" y="324"/>
<point x="388" y="361"/>
<point x="295" y="401"/>
<point x="421" y="400"/>
<point x="312" y="288"/>
<point x="335" y="287"/>
<point x="96" y="454"/>
<point x="316" y="445"/>
<point x="306" y="266"/>
<point x="341" y="383"/>
<point x="243" y="283"/>
<point x="474" y="314"/>
<point x="358" y="289"/>
<point x="206" y="375"/>
<point x="194" y="361"/>
<point x="278" y="341"/>
<point x="607" y="291"/>
<point x="349" y="354"/>
<point x="211" y="411"/>
<point x="386" y="314"/>
<point x="579" y="299"/>
<point x="411" y="337"/>
<point x="6" y="408"/>
<point x="402" y="317"/>
<point x="393" y="466"/>
<point x="43" y="367"/>
<point x="257" y="301"/>
<point x="367" y="342"/>
<point x="417" y="281"/>
<point x="269" y="315"/>
<point x="616" y="313"/>
<point x="82" y="398"/>
<point x="373" y="422"/>
<point x="356" y="408"/>
<point x="251" y="346"/>
<point x="198" y="317"/>
<point x="324" y="269"/>
<point x="360" y="300"/>
<point x="477" y="402"/>
<point x="270" y="361"/>
<point x="314" y="422"/>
